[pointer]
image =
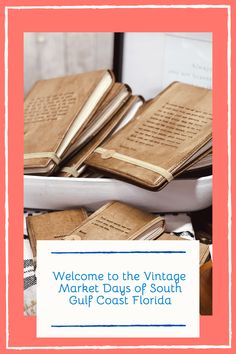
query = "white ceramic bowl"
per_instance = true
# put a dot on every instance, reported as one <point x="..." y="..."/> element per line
<point x="57" y="193"/>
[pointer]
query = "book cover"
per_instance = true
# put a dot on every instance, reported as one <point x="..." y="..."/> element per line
<point x="216" y="332"/>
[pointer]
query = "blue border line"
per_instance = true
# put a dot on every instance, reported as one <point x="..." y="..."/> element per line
<point x="117" y="325"/>
<point x="115" y="252"/>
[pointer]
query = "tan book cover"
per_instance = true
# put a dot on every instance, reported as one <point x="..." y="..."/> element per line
<point x="163" y="140"/>
<point x="53" y="225"/>
<point x="72" y="167"/>
<point x="55" y="112"/>
<point x="118" y="221"/>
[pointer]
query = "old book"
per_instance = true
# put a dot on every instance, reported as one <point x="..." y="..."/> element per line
<point x="206" y="288"/>
<point x="56" y="111"/>
<point x="118" y="221"/>
<point x="53" y="225"/>
<point x="204" y="252"/>
<point x="162" y="140"/>
<point x="74" y="167"/>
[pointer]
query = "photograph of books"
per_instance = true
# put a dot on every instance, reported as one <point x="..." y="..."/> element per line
<point x="118" y="142"/>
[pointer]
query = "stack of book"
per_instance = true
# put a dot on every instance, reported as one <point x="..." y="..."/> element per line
<point x="90" y="125"/>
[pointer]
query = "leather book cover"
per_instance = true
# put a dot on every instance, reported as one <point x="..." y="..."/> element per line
<point x="162" y="140"/>
<point x="117" y="221"/>
<point x="53" y="225"/>
<point x="51" y="108"/>
<point x="73" y="165"/>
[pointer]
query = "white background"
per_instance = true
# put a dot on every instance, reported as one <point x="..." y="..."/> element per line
<point x="54" y="308"/>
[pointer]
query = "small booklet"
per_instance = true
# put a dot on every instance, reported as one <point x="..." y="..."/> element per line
<point x="118" y="221"/>
<point x="204" y="162"/>
<point x="74" y="167"/>
<point x="53" y="225"/>
<point x="56" y="111"/>
<point x="171" y="133"/>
